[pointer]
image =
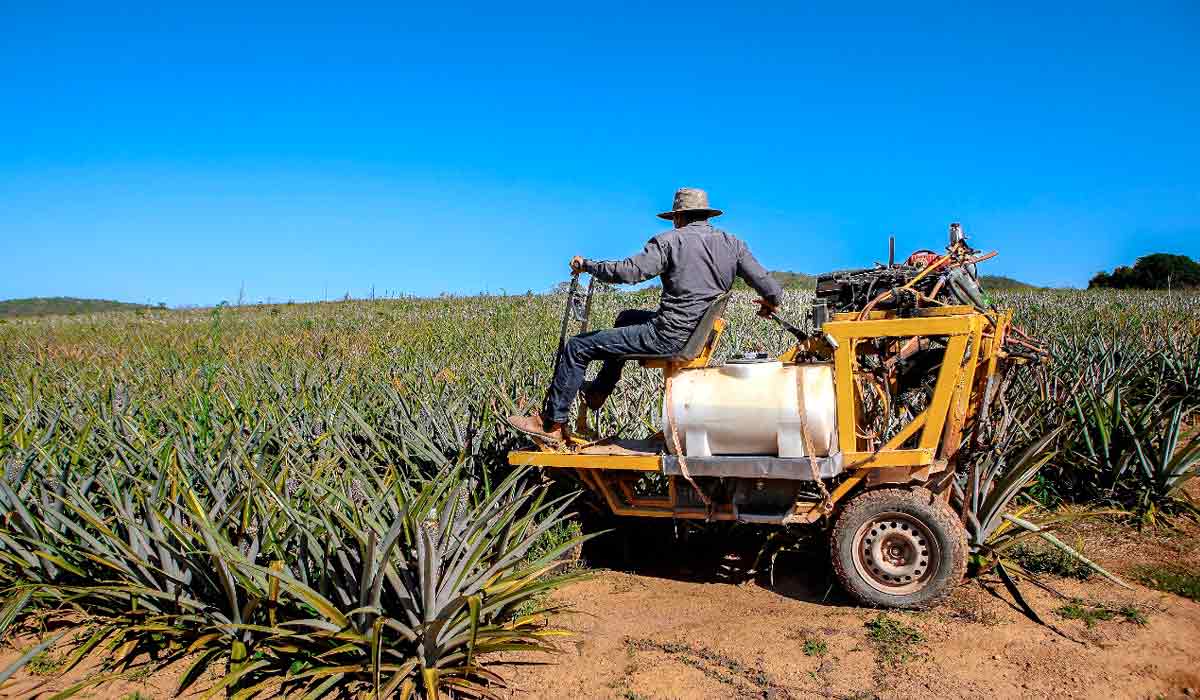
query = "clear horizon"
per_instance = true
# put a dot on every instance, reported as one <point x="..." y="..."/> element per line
<point x="169" y="154"/>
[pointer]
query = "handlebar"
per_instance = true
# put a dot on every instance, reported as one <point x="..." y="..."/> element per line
<point x="783" y="323"/>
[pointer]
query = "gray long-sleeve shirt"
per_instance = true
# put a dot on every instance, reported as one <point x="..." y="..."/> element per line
<point x="697" y="264"/>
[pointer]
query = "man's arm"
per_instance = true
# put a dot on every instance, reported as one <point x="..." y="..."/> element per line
<point x="638" y="268"/>
<point x="757" y="277"/>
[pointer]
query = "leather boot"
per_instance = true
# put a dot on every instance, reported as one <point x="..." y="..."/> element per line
<point x="535" y="427"/>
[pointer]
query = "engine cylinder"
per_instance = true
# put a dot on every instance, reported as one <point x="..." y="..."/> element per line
<point x="754" y="409"/>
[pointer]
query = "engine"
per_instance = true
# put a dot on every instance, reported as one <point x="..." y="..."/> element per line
<point x="855" y="290"/>
<point x="852" y="290"/>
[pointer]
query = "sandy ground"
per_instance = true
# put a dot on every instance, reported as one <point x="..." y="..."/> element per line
<point x="690" y="620"/>
<point x="647" y="636"/>
<point x="661" y="630"/>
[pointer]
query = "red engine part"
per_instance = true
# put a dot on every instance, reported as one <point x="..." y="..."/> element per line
<point x="922" y="258"/>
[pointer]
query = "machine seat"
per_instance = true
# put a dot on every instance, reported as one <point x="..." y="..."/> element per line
<point x="699" y="337"/>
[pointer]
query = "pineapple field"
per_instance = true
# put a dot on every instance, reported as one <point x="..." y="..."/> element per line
<point x="312" y="500"/>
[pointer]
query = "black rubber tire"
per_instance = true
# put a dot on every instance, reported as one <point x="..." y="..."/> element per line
<point x="941" y="523"/>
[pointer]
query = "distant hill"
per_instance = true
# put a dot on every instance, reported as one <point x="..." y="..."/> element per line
<point x="789" y="280"/>
<point x="1000" y="283"/>
<point x="61" y="306"/>
<point x="794" y="280"/>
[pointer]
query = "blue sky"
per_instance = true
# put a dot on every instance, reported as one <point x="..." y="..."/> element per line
<point x="163" y="153"/>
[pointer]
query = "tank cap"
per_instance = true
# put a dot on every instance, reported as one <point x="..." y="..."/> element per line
<point x="750" y="358"/>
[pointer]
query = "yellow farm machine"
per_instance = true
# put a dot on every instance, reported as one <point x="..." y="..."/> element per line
<point x="859" y="426"/>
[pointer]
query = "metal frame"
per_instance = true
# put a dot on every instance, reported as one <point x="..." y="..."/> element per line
<point x="973" y="346"/>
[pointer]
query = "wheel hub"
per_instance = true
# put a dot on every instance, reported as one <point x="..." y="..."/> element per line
<point x="896" y="553"/>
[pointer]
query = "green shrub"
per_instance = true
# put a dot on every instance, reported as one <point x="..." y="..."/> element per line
<point x="1038" y="557"/>
<point x="815" y="647"/>
<point x="1171" y="579"/>
<point x="1091" y="613"/>
<point x="894" y="641"/>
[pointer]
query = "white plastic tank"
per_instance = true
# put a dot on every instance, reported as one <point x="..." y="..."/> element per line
<point x="753" y="408"/>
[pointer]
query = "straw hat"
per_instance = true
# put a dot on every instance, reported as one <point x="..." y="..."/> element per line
<point x="690" y="199"/>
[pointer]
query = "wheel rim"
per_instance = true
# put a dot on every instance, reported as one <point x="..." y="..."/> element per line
<point x="896" y="553"/>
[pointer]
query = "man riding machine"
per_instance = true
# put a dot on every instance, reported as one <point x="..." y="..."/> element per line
<point x="697" y="264"/>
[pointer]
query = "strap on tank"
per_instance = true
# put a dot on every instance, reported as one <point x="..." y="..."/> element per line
<point x="673" y="431"/>
<point x="826" y="499"/>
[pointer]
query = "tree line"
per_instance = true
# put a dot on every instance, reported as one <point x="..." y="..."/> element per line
<point x="1156" y="271"/>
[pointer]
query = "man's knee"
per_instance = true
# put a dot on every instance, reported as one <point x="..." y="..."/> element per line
<point x="629" y="317"/>
<point x="574" y="347"/>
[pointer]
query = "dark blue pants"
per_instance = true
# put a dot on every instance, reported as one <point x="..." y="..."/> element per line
<point x="633" y="334"/>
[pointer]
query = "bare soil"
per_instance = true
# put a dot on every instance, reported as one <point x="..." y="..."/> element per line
<point x="672" y="619"/>
<point x="672" y="626"/>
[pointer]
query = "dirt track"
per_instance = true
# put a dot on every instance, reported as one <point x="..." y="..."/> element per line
<point x="660" y="630"/>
